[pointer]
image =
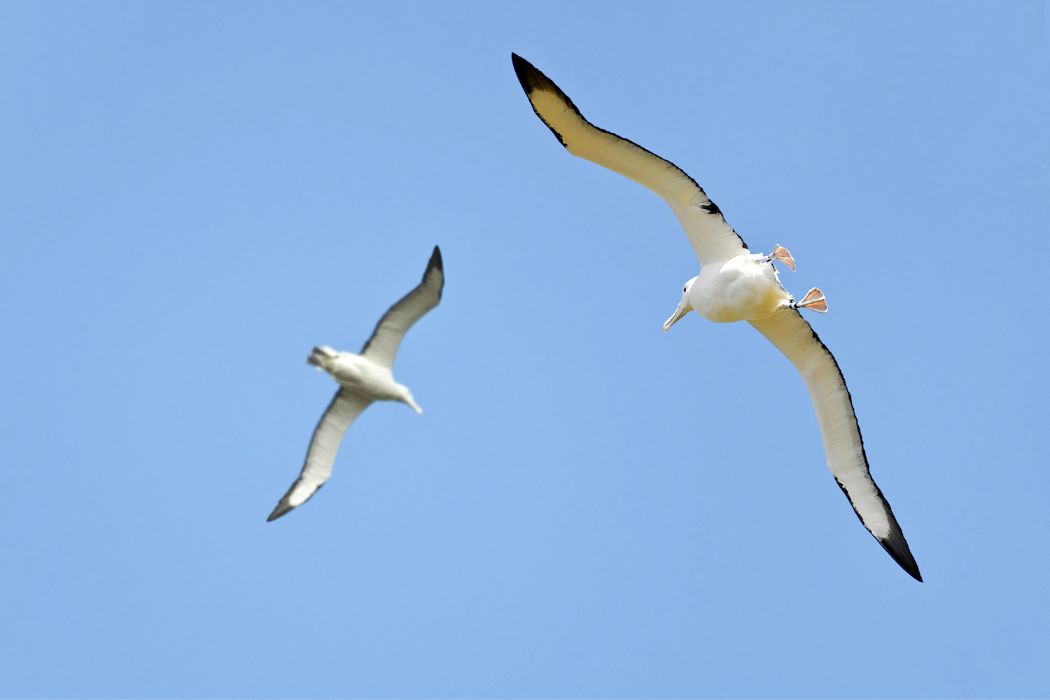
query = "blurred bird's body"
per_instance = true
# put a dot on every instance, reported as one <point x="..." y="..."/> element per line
<point x="361" y="376"/>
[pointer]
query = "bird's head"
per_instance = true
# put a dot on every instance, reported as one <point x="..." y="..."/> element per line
<point x="683" y="307"/>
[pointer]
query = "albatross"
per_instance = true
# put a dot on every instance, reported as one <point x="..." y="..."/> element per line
<point x="735" y="284"/>
<point x="363" y="378"/>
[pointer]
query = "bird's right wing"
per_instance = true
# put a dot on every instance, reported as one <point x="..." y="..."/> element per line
<point x="341" y="412"/>
<point x="843" y="444"/>
<point x="382" y="346"/>
<point x="713" y="239"/>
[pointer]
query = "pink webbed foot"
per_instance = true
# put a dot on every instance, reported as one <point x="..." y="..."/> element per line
<point x="783" y="255"/>
<point x="814" y="301"/>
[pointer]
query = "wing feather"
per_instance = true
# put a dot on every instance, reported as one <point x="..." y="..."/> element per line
<point x="382" y="346"/>
<point x="341" y="412"/>
<point x="843" y="444"/>
<point x="712" y="238"/>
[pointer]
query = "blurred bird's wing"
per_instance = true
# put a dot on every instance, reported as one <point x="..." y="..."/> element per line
<point x="382" y="346"/>
<point x="341" y="412"/>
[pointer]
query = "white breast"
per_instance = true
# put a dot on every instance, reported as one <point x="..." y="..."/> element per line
<point x="364" y="377"/>
<point x="740" y="289"/>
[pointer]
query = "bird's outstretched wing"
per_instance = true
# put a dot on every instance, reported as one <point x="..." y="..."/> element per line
<point x="843" y="445"/>
<point x="712" y="238"/>
<point x="382" y="346"/>
<point x="341" y="412"/>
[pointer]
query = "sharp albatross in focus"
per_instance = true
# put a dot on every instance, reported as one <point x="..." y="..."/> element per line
<point x="736" y="285"/>
<point x="362" y="379"/>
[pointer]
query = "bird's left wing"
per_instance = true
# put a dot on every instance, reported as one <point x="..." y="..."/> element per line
<point x="382" y="346"/>
<point x="713" y="239"/>
<point x="324" y="444"/>
<point x="843" y="445"/>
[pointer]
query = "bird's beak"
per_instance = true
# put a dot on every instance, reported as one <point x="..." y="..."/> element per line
<point x="681" y="310"/>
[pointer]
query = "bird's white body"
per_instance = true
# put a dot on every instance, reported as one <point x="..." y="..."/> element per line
<point x="361" y="376"/>
<point x="743" y="288"/>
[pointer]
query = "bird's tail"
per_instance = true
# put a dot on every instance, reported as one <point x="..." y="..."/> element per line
<point x="319" y="354"/>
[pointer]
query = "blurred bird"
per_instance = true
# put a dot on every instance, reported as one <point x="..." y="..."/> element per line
<point x="362" y="379"/>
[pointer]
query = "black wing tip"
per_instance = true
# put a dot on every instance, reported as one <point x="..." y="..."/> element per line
<point x="897" y="547"/>
<point x="281" y="509"/>
<point x="532" y="79"/>
<point x="528" y="75"/>
<point x="435" y="262"/>
<point x="894" y="543"/>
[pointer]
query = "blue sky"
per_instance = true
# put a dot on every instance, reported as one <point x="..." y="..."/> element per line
<point x="193" y="195"/>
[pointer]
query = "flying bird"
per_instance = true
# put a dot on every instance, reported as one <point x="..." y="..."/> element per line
<point x="736" y="285"/>
<point x="363" y="378"/>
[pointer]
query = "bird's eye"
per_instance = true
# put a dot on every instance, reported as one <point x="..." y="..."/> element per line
<point x="685" y="287"/>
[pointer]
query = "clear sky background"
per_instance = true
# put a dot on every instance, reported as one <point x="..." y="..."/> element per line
<point x="192" y="195"/>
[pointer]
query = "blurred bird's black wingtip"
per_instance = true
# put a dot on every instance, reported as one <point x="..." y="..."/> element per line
<point x="280" y="510"/>
<point x="435" y="262"/>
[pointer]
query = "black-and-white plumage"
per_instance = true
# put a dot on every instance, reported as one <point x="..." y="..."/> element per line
<point x="736" y="285"/>
<point x="839" y="429"/>
<point x="363" y="378"/>
<point x="711" y="237"/>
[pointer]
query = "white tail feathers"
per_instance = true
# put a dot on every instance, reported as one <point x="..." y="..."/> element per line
<point x="319" y="354"/>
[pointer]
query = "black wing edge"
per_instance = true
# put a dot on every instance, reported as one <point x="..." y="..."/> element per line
<point x="532" y="78"/>
<point x="894" y="544"/>
<point x="435" y="263"/>
<point x="282" y="506"/>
